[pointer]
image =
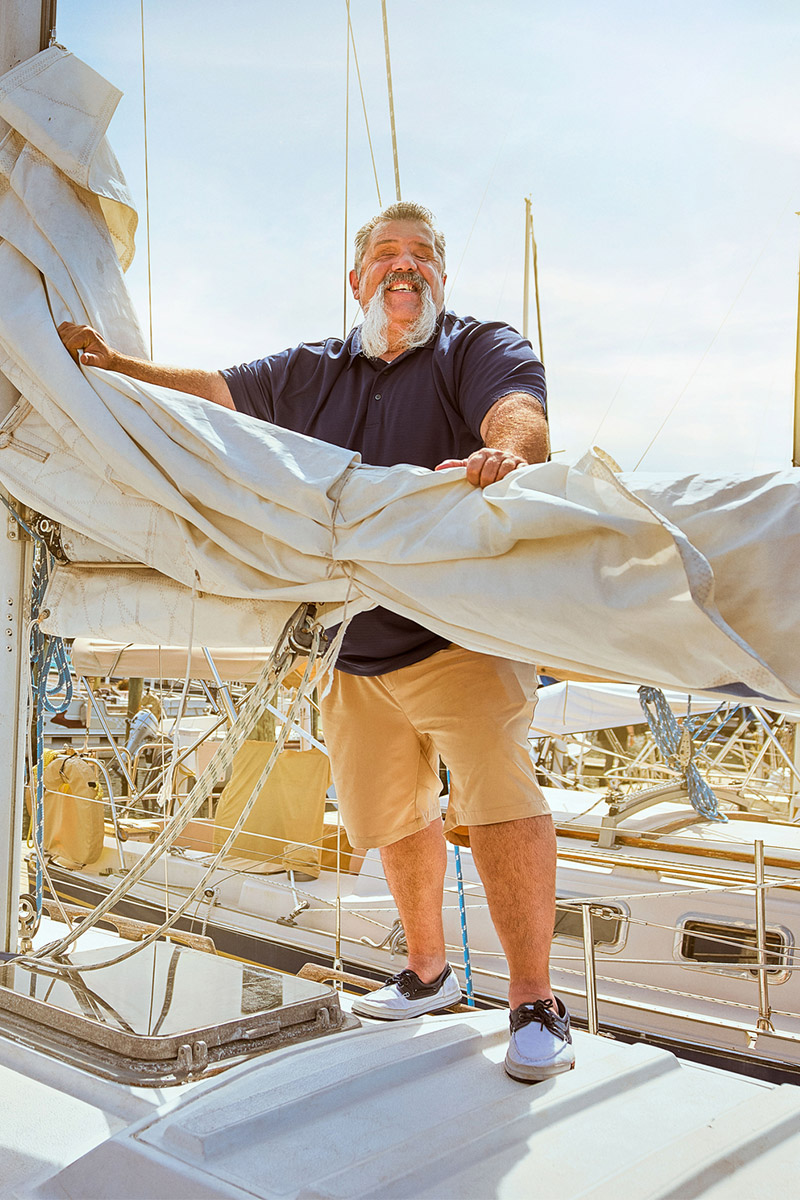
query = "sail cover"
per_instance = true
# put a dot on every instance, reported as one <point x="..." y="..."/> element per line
<point x="181" y="518"/>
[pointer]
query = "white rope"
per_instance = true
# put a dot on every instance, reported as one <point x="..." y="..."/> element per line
<point x="279" y="664"/>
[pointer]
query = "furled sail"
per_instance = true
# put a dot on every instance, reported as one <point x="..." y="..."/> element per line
<point x="178" y="512"/>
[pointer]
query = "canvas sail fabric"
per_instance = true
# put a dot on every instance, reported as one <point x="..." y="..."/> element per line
<point x="73" y="809"/>
<point x="283" y="832"/>
<point x="208" y="520"/>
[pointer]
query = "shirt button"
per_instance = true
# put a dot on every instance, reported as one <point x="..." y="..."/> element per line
<point x="377" y="395"/>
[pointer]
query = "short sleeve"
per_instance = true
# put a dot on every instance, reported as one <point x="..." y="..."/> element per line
<point x="495" y="360"/>
<point x="254" y="385"/>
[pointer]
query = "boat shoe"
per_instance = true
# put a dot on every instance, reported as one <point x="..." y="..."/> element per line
<point x="541" y="1042"/>
<point x="405" y="995"/>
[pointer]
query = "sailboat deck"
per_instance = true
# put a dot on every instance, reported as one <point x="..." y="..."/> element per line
<point x="324" y="1120"/>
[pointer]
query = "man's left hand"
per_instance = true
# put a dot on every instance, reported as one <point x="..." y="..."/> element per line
<point x="486" y="465"/>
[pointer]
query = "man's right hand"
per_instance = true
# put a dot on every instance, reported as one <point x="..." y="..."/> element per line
<point x="87" y="346"/>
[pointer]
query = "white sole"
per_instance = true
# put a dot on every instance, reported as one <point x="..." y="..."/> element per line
<point x="422" y="1007"/>
<point x="531" y="1073"/>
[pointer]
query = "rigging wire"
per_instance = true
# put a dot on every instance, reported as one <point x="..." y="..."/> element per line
<point x="391" y="99"/>
<point x="346" y="172"/>
<point x="621" y="383"/>
<point x="351" y="41"/>
<point x="363" y="102"/>
<point x="146" y="185"/>
<point x="707" y="350"/>
<point x="475" y="221"/>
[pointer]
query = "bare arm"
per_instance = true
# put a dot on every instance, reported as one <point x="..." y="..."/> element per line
<point x="87" y="346"/>
<point x="514" y="432"/>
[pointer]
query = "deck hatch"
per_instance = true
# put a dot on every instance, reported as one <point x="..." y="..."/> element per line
<point x="167" y="1013"/>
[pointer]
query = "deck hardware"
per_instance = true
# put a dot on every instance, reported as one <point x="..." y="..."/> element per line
<point x="192" y="1059"/>
<point x="589" y="964"/>
<point x="291" y="918"/>
<point x="395" y="940"/>
<point x="199" y="1056"/>
<point x="184" y="1060"/>
<point x="764" y="1010"/>
<point x="210" y="898"/>
<point x="50" y="533"/>
<point x="301" y="634"/>
<point x="29" y="921"/>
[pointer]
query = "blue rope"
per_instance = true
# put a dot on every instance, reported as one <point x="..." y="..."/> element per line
<point x="464" y="938"/>
<point x="46" y="654"/>
<point x="667" y="733"/>
<point x="462" y="912"/>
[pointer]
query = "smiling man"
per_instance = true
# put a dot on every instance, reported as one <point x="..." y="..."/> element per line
<point x="415" y="384"/>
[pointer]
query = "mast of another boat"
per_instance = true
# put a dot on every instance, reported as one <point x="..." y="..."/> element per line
<point x="795" y="791"/>
<point x="531" y="259"/>
<point x="25" y="29"/>
<point x="796" y="438"/>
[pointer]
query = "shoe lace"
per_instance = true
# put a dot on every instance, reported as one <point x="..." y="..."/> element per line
<point x="405" y="981"/>
<point x="542" y="1011"/>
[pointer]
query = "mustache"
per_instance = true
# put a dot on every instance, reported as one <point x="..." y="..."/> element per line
<point x="405" y="277"/>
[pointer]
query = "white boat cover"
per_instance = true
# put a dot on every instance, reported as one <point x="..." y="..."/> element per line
<point x="118" y="660"/>
<point x="569" y="707"/>
<point x="208" y="521"/>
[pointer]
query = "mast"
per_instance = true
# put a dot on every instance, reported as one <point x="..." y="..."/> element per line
<point x="796" y="441"/>
<point x="531" y="255"/>
<point x="25" y="29"/>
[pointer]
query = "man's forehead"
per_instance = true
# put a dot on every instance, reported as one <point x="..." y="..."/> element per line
<point x="393" y="231"/>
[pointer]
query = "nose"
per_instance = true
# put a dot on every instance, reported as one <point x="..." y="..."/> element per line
<point x="404" y="260"/>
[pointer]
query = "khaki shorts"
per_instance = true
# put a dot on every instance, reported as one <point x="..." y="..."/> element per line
<point x="385" y="733"/>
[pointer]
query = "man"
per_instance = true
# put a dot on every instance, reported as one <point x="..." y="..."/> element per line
<point x="415" y="384"/>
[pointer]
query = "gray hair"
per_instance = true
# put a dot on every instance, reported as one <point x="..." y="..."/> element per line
<point x="401" y="210"/>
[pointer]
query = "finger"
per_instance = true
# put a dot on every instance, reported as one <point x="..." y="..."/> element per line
<point x="475" y="465"/>
<point x="73" y="339"/>
<point x="451" y="462"/>
<point x="497" y="467"/>
<point x="489" y="472"/>
<point x="507" y="466"/>
<point x="70" y="333"/>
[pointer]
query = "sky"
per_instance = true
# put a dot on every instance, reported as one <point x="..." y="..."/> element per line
<point x="659" y="143"/>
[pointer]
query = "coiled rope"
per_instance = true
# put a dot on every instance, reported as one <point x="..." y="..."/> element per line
<point x="675" y="745"/>
<point x="47" y="654"/>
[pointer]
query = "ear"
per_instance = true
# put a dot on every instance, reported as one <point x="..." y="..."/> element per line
<point x="354" y="284"/>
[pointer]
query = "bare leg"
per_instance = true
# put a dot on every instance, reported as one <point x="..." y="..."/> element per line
<point x="415" y="868"/>
<point x="516" y="861"/>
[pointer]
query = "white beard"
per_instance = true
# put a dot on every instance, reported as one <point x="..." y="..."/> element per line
<point x="374" y="339"/>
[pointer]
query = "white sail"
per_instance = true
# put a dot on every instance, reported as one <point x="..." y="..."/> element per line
<point x="203" y="514"/>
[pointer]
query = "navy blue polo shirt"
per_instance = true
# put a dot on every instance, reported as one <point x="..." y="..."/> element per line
<point x="425" y="406"/>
